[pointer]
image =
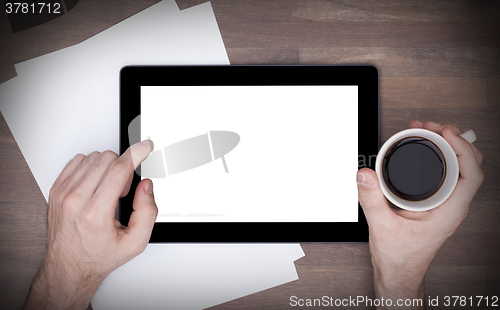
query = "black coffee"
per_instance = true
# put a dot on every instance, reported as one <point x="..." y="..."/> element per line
<point x="414" y="168"/>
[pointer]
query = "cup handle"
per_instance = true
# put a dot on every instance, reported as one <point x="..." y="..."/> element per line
<point x="469" y="135"/>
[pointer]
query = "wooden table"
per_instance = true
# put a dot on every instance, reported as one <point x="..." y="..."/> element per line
<point x="438" y="60"/>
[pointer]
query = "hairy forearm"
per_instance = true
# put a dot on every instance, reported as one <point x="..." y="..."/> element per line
<point x="410" y="294"/>
<point x="55" y="289"/>
<point x="401" y="284"/>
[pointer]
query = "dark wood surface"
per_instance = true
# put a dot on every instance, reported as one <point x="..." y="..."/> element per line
<point x="438" y="60"/>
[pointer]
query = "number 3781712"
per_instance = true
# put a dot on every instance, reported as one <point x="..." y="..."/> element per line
<point x="477" y="301"/>
<point x="33" y="8"/>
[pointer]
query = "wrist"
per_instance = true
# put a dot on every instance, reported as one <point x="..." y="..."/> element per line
<point x="404" y="292"/>
<point x="399" y="280"/>
<point x="401" y="273"/>
<point x="57" y="287"/>
<point x="396" y="284"/>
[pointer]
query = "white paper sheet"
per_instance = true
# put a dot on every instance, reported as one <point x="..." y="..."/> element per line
<point x="173" y="276"/>
<point x="66" y="102"/>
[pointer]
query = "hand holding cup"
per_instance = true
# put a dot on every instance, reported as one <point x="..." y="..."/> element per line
<point x="402" y="242"/>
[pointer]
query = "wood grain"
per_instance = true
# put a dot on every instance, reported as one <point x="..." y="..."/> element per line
<point x="23" y="216"/>
<point x="263" y="56"/>
<point x="438" y="60"/>
<point x="412" y="62"/>
<point x="388" y="10"/>
<point x="393" y="34"/>
<point x="433" y="92"/>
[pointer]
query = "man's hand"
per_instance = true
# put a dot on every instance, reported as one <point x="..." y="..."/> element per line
<point x="403" y="243"/>
<point x="85" y="242"/>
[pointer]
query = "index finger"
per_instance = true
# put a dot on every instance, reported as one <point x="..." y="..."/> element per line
<point x="438" y="128"/>
<point x="471" y="177"/>
<point x="468" y="164"/>
<point x="116" y="177"/>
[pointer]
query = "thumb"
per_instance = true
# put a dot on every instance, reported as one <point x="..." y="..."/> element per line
<point x="142" y="218"/>
<point x="371" y="198"/>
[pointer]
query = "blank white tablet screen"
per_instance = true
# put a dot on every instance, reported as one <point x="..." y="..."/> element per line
<point x="295" y="161"/>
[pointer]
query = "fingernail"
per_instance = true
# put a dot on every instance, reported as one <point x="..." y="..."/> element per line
<point x="434" y="124"/>
<point x="149" y="143"/>
<point x="363" y="180"/>
<point x="149" y="187"/>
<point x="420" y="124"/>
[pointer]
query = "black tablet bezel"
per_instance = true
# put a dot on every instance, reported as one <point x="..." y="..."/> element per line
<point x="365" y="77"/>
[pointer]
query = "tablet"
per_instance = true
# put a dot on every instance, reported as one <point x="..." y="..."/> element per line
<point x="252" y="153"/>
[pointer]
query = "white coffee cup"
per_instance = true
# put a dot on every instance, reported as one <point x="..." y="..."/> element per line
<point x="451" y="171"/>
